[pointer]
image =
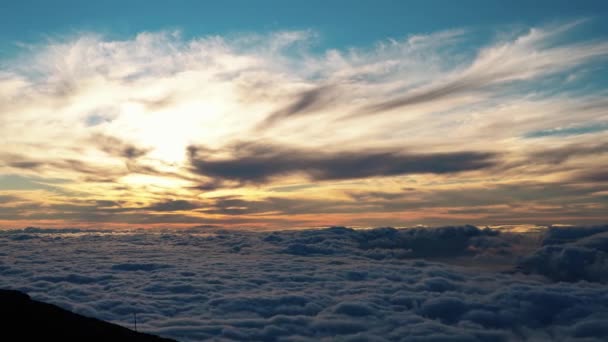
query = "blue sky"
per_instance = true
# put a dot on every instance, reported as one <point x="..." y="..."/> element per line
<point x="341" y="23"/>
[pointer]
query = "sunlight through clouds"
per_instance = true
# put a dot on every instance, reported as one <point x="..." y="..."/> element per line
<point x="442" y="115"/>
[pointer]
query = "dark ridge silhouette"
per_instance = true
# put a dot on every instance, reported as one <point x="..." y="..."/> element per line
<point x="24" y="319"/>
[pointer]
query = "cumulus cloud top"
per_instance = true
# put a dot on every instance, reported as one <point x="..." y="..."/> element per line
<point x="328" y="284"/>
<point x="571" y="254"/>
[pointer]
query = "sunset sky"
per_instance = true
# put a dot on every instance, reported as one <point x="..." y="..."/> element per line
<point x="272" y="114"/>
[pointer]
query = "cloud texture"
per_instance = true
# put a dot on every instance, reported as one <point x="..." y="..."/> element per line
<point x="157" y="118"/>
<point x="328" y="284"/>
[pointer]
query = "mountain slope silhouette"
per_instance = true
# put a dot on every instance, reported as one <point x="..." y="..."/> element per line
<point x="24" y="319"/>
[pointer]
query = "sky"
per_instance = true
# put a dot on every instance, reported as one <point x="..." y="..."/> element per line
<point x="273" y="114"/>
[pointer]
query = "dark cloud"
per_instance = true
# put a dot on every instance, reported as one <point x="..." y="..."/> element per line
<point x="106" y="203"/>
<point x="425" y="242"/>
<point x="562" y="154"/>
<point x="20" y="162"/>
<point x="510" y="196"/>
<point x="366" y="196"/>
<point x="210" y="185"/>
<point x="567" y="263"/>
<point x="600" y="176"/>
<point x="317" y="98"/>
<point x="90" y="172"/>
<point x="8" y="199"/>
<point x="384" y="243"/>
<point x="463" y="84"/>
<point x="531" y="202"/>
<point x="104" y="211"/>
<point x="258" y="163"/>
<point x="305" y="102"/>
<point x="281" y="205"/>
<point x="534" y="202"/>
<point x="571" y="254"/>
<point x="25" y="164"/>
<point x="173" y="205"/>
<point x="428" y="94"/>
<point x="118" y="148"/>
<point x="95" y="173"/>
<point x="564" y="235"/>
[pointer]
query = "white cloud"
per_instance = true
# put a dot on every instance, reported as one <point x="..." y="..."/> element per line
<point x="161" y="93"/>
<point x="242" y="286"/>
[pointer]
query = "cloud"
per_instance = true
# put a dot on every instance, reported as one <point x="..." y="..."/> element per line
<point x="544" y="202"/>
<point x="306" y="101"/>
<point x="91" y="171"/>
<point x="17" y="182"/>
<point x="425" y="95"/>
<point x="172" y="205"/>
<point x="594" y="176"/>
<point x="387" y="243"/>
<point x="138" y="267"/>
<point x="259" y="294"/>
<point x="96" y="211"/>
<point x="541" y="203"/>
<point x="571" y="254"/>
<point x="568" y="263"/>
<point x="116" y="147"/>
<point x="270" y="205"/>
<point x="561" y="154"/>
<point x="258" y="163"/>
<point x="530" y="56"/>
<point x="561" y="235"/>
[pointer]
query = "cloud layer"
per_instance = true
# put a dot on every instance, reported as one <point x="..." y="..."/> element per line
<point x="571" y="254"/>
<point x="328" y="284"/>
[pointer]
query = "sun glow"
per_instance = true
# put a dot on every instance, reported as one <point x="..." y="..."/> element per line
<point x="262" y="129"/>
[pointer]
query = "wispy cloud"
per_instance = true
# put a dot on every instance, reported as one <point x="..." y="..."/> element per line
<point x="565" y="131"/>
<point x="156" y="117"/>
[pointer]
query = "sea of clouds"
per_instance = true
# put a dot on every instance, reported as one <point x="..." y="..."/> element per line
<point x="384" y="284"/>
